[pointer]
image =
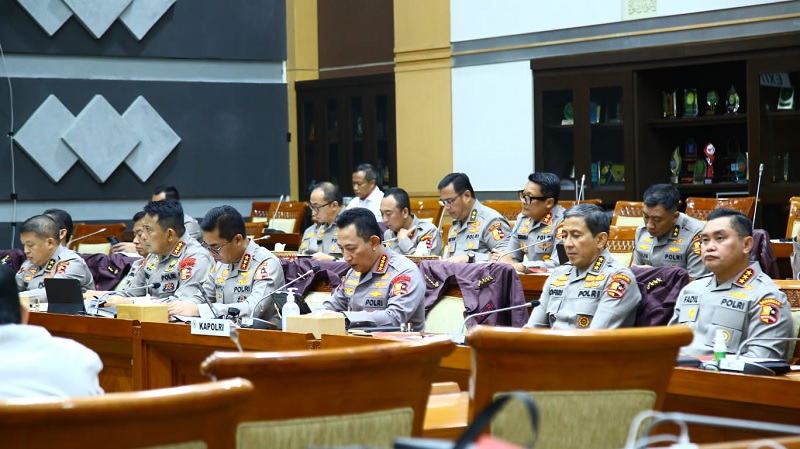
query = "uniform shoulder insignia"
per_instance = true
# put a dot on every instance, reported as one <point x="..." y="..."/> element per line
<point x="560" y="231"/>
<point x="654" y="283"/>
<point x="178" y="248"/>
<point x="50" y="265"/>
<point x="245" y="262"/>
<point x="485" y="281"/>
<point x="431" y="281"/>
<point x="383" y="264"/>
<point x="770" y="309"/>
<point x="745" y="278"/>
<point x="598" y="264"/>
<point x="676" y="231"/>
<point x="547" y="217"/>
<point x="428" y="239"/>
<point x="473" y="215"/>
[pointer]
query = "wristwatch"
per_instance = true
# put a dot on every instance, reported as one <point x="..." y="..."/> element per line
<point x="471" y="256"/>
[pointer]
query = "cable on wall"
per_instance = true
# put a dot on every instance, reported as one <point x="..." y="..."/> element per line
<point x="13" y="195"/>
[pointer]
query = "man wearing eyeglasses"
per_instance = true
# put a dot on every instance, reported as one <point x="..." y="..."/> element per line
<point x="244" y="275"/>
<point x="739" y="299"/>
<point x="476" y="229"/>
<point x="365" y="188"/>
<point x="539" y="225"/>
<point x="320" y="240"/>
<point x="405" y="231"/>
<point x="177" y="262"/>
<point x="668" y="237"/>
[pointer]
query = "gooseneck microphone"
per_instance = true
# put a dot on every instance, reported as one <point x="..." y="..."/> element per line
<point x="85" y="236"/>
<point x="459" y="338"/>
<point x="95" y="303"/>
<point x="314" y="269"/>
<point x="521" y="247"/>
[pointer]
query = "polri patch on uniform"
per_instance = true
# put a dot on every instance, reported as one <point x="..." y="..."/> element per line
<point x="428" y="239"/>
<point x="769" y="310"/>
<point x="584" y="321"/>
<point x="497" y="231"/>
<point x="400" y="285"/>
<point x="619" y="283"/>
<point x="262" y="272"/>
<point x="696" y="244"/>
<point x="187" y="268"/>
<point x="61" y="268"/>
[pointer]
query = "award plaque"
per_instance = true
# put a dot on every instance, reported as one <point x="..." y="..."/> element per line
<point x="741" y="169"/>
<point x="786" y="99"/>
<point x="670" y="104"/>
<point x="569" y="114"/>
<point x="711" y="102"/>
<point x="699" y="172"/>
<point x="675" y="165"/>
<point x="690" y="103"/>
<point x="732" y="101"/>
<point x="709" y="150"/>
<point x="690" y="150"/>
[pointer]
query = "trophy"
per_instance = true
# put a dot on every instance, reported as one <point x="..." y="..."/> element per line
<point x="786" y="99"/>
<point x="670" y="104"/>
<point x="675" y="165"/>
<point x="732" y="102"/>
<point x="711" y="101"/>
<point x="709" y="151"/>
<point x="690" y="159"/>
<point x="741" y="169"/>
<point x="699" y="172"/>
<point x="569" y="114"/>
<point x="690" y="103"/>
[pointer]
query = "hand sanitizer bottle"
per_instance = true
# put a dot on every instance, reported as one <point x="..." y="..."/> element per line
<point x="720" y="348"/>
<point x="289" y="309"/>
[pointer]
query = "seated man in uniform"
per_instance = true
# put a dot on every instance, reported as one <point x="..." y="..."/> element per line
<point x="538" y="228"/>
<point x="594" y="291"/>
<point x="319" y="240"/>
<point x="382" y="288"/>
<point x="35" y="364"/>
<point x="476" y="229"/>
<point x="404" y="231"/>
<point x="737" y="297"/>
<point x="667" y="237"/>
<point x="64" y="221"/>
<point x="245" y="273"/>
<point x="136" y="265"/>
<point x="365" y="188"/>
<point x="177" y="262"/>
<point x="47" y="258"/>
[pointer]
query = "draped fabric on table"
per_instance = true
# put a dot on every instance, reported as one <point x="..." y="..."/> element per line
<point x="330" y="272"/>
<point x="659" y="287"/>
<point x="107" y="270"/>
<point x="763" y="253"/>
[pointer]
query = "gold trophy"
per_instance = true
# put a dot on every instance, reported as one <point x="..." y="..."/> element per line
<point x="675" y="165"/>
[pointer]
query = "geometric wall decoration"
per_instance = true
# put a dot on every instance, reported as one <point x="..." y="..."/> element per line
<point x="96" y="16"/>
<point x="99" y="137"/>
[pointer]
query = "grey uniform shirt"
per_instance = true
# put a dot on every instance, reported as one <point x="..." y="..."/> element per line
<point x="678" y="248"/>
<point x="136" y="265"/>
<point x="483" y="230"/>
<point x="605" y="296"/>
<point x="193" y="227"/>
<point x="748" y="305"/>
<point x="391" y="294"/>
<point x="795" y="259"/>
<point x="423" y="231"/>
<point x="181" y="273"/>
<point x="541" y="238"/>
<point x="64" y="263"/>
<point x="245" y="284"/>
<point x="322" y="238"/>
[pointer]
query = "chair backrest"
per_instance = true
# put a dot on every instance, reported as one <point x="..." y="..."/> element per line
<point x="185" y="417"/>
<point x="566" y="204"/>
<point x="621" y="243"/>
<point x="793" y="225"/>
<point x="288" y="216"/>
<point x="376" y="387"/>
<point x="630" y="370"/>
<point x="427" y="209"/>
<point x="627" y="213"/>
<point x="254" y="229"/>
<point x="792" y="290"/>
<point x="507" y="208"/>
<point x="699" y="208"/>
<point x="259" y="211"/>
<point x="98" y="243"/>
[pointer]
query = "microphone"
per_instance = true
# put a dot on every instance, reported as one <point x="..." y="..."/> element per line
<point x="275" y="215"/>
<point x="758" y="191"/>
<point x="85" y="236"/>
<point x="505" y="253"/>
<point x="255" y="312"/>
<point x="761" y="367"/>
<point x="459" y="339"/>
<point x="581" y="192"/>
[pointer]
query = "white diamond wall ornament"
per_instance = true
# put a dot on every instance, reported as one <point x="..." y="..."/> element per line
<point x="140" y="15"/>
<point x="40" y="138"/>
<point x="49" y="14"/>
<point x="97" y="15"/>
<point x="100" y="138"/>
<point x="157" y="138"/>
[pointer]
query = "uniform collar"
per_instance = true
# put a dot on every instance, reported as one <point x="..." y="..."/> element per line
<point x="473" y="214"/>
<point x="382" y="264"/>
<point x="741" y="280"/>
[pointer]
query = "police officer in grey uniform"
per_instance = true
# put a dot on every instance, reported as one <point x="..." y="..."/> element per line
<point x="47" y="258"/>
<point x="737" y="297"/>
<point x="382" y="288"/>
<point x="668" y="237"/>
<point x="171" y="193"/>
<point x="177" y="262"/>
<point x="245" y="273"/>
<point x="404" y="230"/>
<point x="594" y="291"/>
<point x="476" y="229"/>
<point x="320" y="240"/>
<point x="136" y="265"/>
<point x="538" y="227"/>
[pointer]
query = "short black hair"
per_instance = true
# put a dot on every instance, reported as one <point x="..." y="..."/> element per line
<point x="226" y="220"/>
<point x="44" y="226"/>
<point x="665" y="195"/>
<point x="329" y="191"/>
<point x="62" y="218"/>
<point x="593" y="215"/>
<point x="739" y="221"/>
<point x="170" y="192"/>
<point x="549" y="184"/>
<point x="460" y="183"/>
<point x="138" y="216"/>
<point x="10" y="312"/>
<point x="169" y="213"/>
<point x="370" y="174"/>
<point x="400" y="196"/>
<point x="364" y="221"/>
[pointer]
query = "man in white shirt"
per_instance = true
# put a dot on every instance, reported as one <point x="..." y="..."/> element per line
<point x="36" y="364"/>
<point x="365" y="187"/>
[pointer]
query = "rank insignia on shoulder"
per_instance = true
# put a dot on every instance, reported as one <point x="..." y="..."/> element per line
<point x="430" y="281"/>
<point x="547" y="217"/>
<point x="746" y="276"/>
<point x="178" y="248"/>
<point x="473" y="215"/>
<point x="485" y="281"/>
<point x="598" y="263"/>
<point x="676" y="231"/>
<point x="654" y="283"/>
<point x="50" y="265"/>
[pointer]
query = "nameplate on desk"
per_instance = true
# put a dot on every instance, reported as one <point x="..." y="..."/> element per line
<point x="731" y="364"/>
<point x="214" y="327"/>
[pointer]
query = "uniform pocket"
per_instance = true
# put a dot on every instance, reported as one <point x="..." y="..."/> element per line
<point x="731" y="322"/>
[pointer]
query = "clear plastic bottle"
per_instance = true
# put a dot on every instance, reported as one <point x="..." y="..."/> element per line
<point x="720" y="348"/>
<point x="289" y="309"/>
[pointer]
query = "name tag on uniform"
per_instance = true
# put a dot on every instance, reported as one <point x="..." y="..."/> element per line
<point x="213" y="327"/>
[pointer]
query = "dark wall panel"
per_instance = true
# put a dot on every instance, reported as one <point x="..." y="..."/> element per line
<point x="354" y="32"/>
<point x="205" y="29"/>
<point x="233" y="139"/>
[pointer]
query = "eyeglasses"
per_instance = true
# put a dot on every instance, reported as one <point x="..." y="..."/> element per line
<point x="527" y="199"/>
<point x="450" y="201"/>
<point x="216" y="250"/>
<point x="316" y="208"/>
